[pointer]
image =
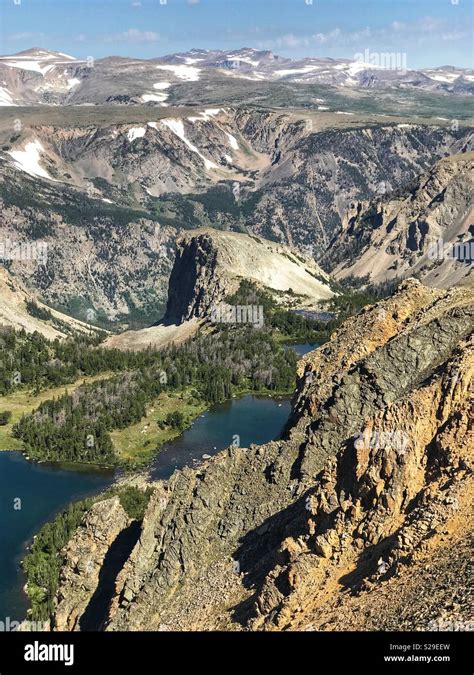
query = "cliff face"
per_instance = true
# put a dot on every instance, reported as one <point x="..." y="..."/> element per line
<point x="125" y="182"/>
<point x="86" y="554"/>
<point x="411" y="233"/>
<point x="210" y="265"/>
<point x="373" y="478"/>
<point x="193" y="284"/>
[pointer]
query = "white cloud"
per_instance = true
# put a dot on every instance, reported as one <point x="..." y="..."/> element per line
<point x="26" y="36"/>
<point x="133" y="35"/>
<point x="397" y="33"/>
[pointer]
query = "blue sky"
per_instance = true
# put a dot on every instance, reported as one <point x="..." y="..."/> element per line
<point x="429" y="32"/>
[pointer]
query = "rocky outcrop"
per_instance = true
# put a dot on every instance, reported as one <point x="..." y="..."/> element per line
<point x="85" y="557"/>
<point x="211" y="264"/>
<point x="379" y="505"/>
<point x="374" y="470"/>
<point x="427" y="231"/>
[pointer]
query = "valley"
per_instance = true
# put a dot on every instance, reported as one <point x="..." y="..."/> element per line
<point x="291" y="180"/>
<point x="235" y="345"/>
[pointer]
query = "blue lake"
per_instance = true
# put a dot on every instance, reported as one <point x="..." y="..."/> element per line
<point x="302" y="348"/>
<point x="45" y="489"/>
<point x="250" y="419"/>
<point x="40" y="491"/>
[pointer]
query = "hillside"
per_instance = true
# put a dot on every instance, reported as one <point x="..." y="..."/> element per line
<point x="427" y="231"/>
<point x="21" y="310"/>
<point x="369" y="490"/>
<point x="209" y="266"/>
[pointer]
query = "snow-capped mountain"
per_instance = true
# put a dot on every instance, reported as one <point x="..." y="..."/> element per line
<point x="39" y="76"/>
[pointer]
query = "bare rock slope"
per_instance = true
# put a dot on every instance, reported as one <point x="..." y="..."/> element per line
<point x="14" y="302"/>
<point x="428" y="230"/>
<point x="369" y="492"/>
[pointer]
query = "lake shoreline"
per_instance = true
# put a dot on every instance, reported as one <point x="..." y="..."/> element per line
<point x="249" y="415"/>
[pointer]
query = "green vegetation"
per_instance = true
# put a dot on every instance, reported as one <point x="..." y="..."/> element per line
<point x="136" y="444"/>
<point x="353" y="295"/>
<point x="76" y="427"/>
<point x="38" y="312"/>
<point x="23" y="401"/>
<point x="43" y="562"/>
<point x="175" y="420"/>
<point x="356" y="294"/>
<point x="31" y="361"/>
<point x="289" y="325"/>
<point x="133" y="500"/>
<point x="5" y="417"/>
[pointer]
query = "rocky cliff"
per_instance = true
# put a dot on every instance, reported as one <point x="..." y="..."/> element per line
<point x="210" y="265"/>
<point x="110" y="190"/>
<point x="88" y="560"/>
<point x="368" y="492"/>
<point x="427" y="231"/>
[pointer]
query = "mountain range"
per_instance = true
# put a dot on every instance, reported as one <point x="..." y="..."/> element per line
<point x="147" y="198"/>
<point x="38" y="76"/>
<point x="109" y="189"/>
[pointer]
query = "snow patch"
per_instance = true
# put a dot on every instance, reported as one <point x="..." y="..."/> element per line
<point x="447" y="77"/>
<point x="359" y="66"/>
<point x="67" y="56"/>
<point x="190" y="61"/>
<point x="156" y="98"/>
<point x="177" y="127"/>
<point x="161" y="97"/>
<point x="73" y="82"/>
<point x="28" y="160"/>
<point x="5" y="97"/>
<point x="206" y="115"/>
<point x="187" y="73"/>
<point x="232" y="141"/>
<point x="136" y="132"/>
<point x="30" y="65"/>
<point x="296" y="71"/>
<point x="242" y="59"/>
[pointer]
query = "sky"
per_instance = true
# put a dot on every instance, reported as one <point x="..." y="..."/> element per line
<point x="429" y="32"/>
